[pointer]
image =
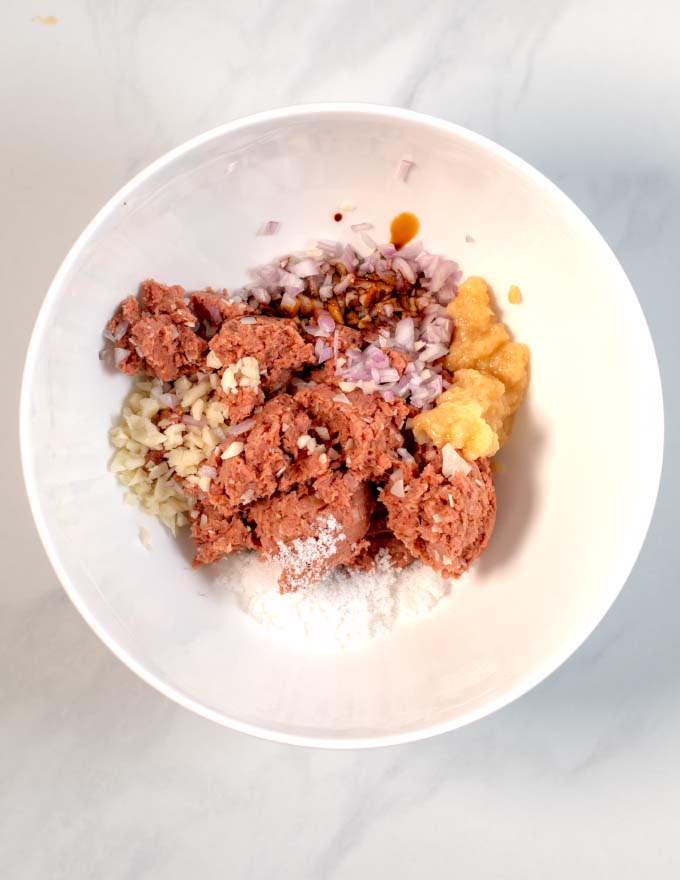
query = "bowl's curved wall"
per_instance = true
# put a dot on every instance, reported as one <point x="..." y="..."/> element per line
<point x="580" y="472"/>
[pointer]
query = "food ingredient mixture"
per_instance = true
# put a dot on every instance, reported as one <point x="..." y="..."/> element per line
<point x="327" y="416"/>
<point x="490" y="377"/>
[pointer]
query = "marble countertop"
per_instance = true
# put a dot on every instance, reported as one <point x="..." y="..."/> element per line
<point x="102" y="777"/>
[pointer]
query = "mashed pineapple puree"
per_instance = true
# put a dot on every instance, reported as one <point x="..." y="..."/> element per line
<point x="490" y="377"/>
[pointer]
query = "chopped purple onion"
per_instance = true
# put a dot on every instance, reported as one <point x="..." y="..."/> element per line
<point x="269" y="227"/>
<point x="261" y="295"/>
<point x="166" y="398"/>
<point x="410" y="251"/>
<point x="292" y="283"/>
<point x="323" y="351"/>
<point x="423" y="339"/>
<point x="332" y="248"/>
<point x="288" y="300"/>
<point x="399" y="264"/>
<point x="214" y="313"/>
<point x="326" y="323"/>
<point x="305" y="268"/>
<point x="369" y="242"/>
<point x="404" y="169"/>
<point x="342" y="286"/>
<point x="404" y="334"/>
<point x="240" y="428"/>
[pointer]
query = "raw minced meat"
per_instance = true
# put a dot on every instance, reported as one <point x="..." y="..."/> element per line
<point x="287" y="518"/>
<point x="276" y="343"/>
<point x="277" y="454"/>
<point x="157" y="333"/>
<point x="445" y="522"/>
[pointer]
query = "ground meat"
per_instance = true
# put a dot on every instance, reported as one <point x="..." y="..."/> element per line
<point x="364" y="427"/>
<point x="314" y="457"/>
<point x="379" y="538"/>
<point x="340" y="341"/>
<point x="446" y="523"/>
<point x="153" y="457"/>
<point x="218" y="531"/>
<point x="306" y="457"/>
<point x="377" y="544"/>
<point x="326" y="375"/>
<point x="285" y="478"/>
<point x="344" y="338"/>
<point x="397" y="360"/>
<point x="127" y="316"/>
<point x="241" y="402"/>
<point x="302" y="515"/>
<point x="276" y="343"/>
<point x="170" y="416"/>
<point x="161" y="299"/>
<point x="213" y="307"/>
<point x="166" y="350"/>
<point x="129" y="311"/>
<point x="269" y="448"/>
<point x="159" y="333"/>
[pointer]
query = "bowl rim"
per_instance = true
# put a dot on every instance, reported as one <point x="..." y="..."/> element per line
<point x="645" y="507"/>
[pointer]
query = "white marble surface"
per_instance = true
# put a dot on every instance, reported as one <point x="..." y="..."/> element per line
<point x="101" y="777"/>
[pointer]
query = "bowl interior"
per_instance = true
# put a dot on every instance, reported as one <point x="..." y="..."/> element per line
<point x="579" y="475"/>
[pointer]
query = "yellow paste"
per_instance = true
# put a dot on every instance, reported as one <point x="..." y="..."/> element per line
<point x="490" y="377"/>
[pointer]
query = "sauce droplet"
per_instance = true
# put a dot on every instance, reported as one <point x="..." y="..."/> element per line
<point x="515" y="295"/>
<point x="337" y="217"/>
<point x="403" y="228"/>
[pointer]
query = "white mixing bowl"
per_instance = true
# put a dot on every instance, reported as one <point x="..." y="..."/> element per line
<point x="580" y="472"/>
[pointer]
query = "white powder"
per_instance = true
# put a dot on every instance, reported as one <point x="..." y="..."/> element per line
<point x="343" y="611"/>
<point x="303" y="556"/>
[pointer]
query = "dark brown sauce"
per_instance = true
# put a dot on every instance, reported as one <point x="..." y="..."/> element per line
<point x="403" y="229"/>
<point x="337" y="217"/>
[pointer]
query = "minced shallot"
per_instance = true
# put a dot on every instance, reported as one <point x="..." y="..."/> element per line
<point x="412" y="321"/>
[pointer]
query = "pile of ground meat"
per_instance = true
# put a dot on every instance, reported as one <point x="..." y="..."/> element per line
<point x="308" y="474"/>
